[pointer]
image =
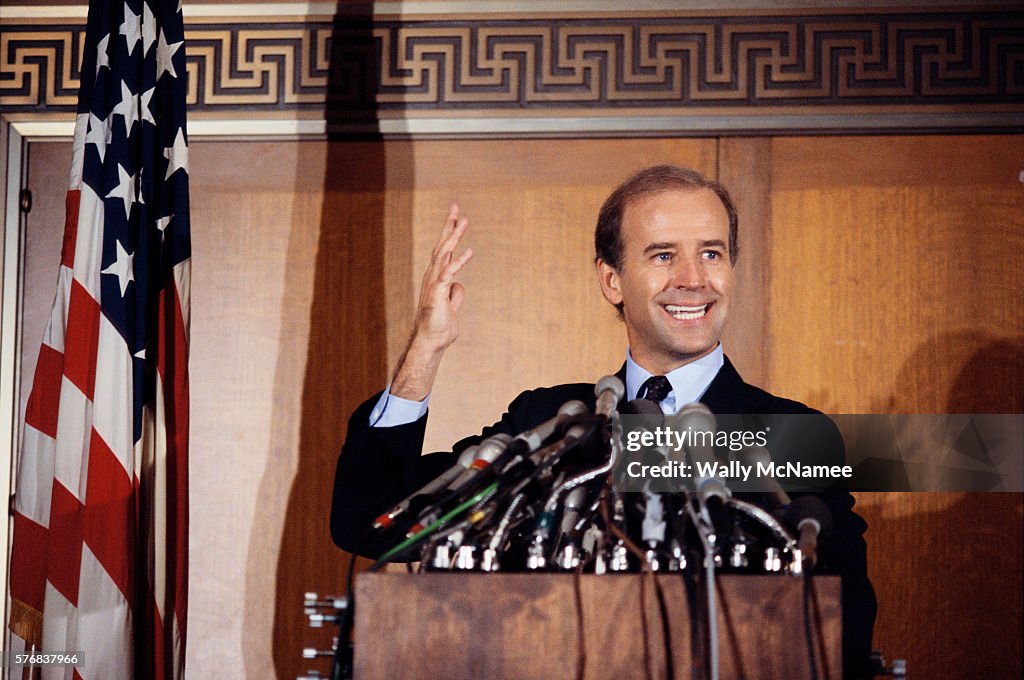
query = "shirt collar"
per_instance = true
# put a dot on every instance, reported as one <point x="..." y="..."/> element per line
<point x="689" y="381"/>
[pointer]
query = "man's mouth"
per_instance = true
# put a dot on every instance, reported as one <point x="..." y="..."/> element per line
<point x="684" y="313"/>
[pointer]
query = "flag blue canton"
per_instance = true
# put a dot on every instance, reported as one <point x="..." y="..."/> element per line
<point x="133" y="91"/>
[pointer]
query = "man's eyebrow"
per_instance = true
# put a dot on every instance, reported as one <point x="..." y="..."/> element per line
<point x="668" y="245"/>
<point x="660" y="245"/>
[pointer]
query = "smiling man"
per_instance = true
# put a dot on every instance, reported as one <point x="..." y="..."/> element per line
<point x="666" y="249"/>
<point x="666" y="244"/>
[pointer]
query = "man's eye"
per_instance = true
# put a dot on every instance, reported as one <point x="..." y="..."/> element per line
<point x="663" y="257"/>
<point x="712" y="254"/>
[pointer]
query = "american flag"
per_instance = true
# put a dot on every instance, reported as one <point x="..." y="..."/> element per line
<point x="100" y="548"/>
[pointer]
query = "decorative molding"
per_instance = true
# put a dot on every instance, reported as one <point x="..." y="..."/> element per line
<point x="725" y="74"/>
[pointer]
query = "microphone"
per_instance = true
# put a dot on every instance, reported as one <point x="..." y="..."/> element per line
<point x="421" y="497"/>
<point x="759" y="456"/>
<point x="540" y="461"/>
<point x="487" y="452"/>
<point x="609" y="391"/>
<point x="811" y="517"/>
<point x="574" y="501"/>
<point x="535" y="437"/>
<point x="700" y="426"/>
<point x="653" y="525"/>
<point x="530" y="441"/>
<point x="642" y="407"/>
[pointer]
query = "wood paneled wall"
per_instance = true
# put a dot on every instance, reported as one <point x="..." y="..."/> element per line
<point x="897" y="283"/>
<point x="879" y="273"/>
<point x="914" y="249"/>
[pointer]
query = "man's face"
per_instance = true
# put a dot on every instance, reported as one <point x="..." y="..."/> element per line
<point x="675" y="280"/>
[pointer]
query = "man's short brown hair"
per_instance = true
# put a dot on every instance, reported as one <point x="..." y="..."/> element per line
<point x="608" y="233"/>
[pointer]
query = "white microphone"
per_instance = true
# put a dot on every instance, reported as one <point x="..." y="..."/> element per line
<point x="428" y="489"/>
<point x="486" y="453"/>
<point x="529" y="441"/>
<point x="609" y="391"/>
<point x="653" y="526"/>
<point x="571" y="508"/>
<point x="700" y="438"/>
<point x="811" y="517"/>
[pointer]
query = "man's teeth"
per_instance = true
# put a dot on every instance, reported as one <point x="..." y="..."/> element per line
<point x="686" y="312"/>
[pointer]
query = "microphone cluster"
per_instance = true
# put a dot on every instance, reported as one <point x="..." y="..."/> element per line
<point x="544" y="501"/>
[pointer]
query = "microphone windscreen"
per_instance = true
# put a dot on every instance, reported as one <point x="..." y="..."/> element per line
<point x="573" y="407"/>
<point x="804" y="508"/>
<point x="695" y="416"/>
<point x="610" y="383"/>
<point x="642" y="407"/>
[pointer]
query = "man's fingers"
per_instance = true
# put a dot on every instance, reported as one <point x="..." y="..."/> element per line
<point x="456" y="265"/>
<point x="450" y="222"/>
<point x="443" y="254"/>
<point x="457" y="295"/>
<point x="450" y="242"/>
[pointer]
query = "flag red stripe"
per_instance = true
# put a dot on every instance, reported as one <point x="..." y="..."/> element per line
<point x="109" y="513"/>
<point x="173" y="368"/>
<point x="71" y="203"/>
<point x="65" y="546"/>
<point x="44" y="402"/>
<point x="84" y="327"/>
<point x="28" y="551"/>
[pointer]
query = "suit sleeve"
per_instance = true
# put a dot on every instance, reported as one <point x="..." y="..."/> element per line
<point x="379" y="466"/>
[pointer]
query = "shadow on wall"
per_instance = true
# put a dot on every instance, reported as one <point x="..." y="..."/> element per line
<point x="949" y="567"/>
<point x="961" y="372"/>
<point x="346" y="353"/>
<point x="947" y="571"/>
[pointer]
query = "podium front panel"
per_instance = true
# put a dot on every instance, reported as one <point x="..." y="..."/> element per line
<point x="523" y="626"/>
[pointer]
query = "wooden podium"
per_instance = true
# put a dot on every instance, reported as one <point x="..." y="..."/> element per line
<point x="520" y="626"/>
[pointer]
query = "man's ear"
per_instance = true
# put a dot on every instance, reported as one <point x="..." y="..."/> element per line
<point x="611" y="282"/>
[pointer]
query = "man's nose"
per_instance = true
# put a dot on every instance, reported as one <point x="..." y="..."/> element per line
<point x="689" y="274"/>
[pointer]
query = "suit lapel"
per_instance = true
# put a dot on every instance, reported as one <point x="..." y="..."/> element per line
<point x="727" y="393"/>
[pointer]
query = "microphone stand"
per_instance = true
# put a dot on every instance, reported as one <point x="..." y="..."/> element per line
<point x="708" y="538"/>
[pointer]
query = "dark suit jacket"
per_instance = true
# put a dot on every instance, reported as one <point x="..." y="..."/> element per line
<point x="380" y="466"/>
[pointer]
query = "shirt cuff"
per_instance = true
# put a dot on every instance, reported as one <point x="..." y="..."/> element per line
<point x="391" y="411"/>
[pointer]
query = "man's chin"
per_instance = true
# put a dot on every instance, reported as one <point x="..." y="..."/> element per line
<point x="694" y="348"/>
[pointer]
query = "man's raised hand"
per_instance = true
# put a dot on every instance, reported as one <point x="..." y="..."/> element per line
<point x="436" y="325"/>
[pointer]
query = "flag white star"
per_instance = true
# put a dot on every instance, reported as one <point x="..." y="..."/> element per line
<point x="102" y="58"/>
<point x="130" y="29"/>
<point x="177" y="154"/>
<point x="147" y="115"/>
<point x="148" y="28"/>
<point x="125" y="190"/>
<point x="98" y="134"/>
<point x="127" y="107"/>
<point x="122" y="268"/>
<point x="161" y="224"/>
<point x="164" y="53"/>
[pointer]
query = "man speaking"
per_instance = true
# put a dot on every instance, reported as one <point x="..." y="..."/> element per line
<point x="666" y="244"/>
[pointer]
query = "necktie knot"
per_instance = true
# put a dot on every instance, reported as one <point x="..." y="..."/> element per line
<point x="655" y="389"/>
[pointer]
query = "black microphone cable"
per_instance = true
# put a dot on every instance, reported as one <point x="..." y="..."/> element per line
<point x="808" y="628"/>
<point x="581" y="628"/>
<point x="341" y="666"/>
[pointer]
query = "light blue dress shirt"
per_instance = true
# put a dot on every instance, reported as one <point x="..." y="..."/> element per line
<point x="689" y="382"/>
